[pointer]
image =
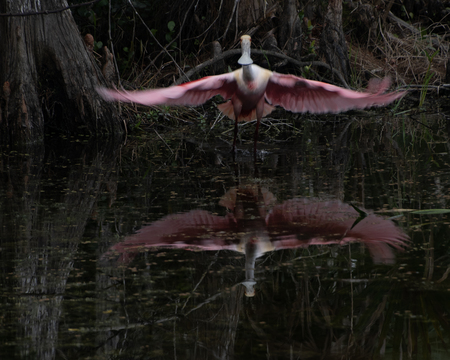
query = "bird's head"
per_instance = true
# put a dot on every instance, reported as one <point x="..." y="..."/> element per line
<point x="246" y="43"/>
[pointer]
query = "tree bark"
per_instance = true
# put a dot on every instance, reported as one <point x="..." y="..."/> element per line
<point x="48" y="76"/>
<point x="332" y="43"/>
<point x="290" y="33"/>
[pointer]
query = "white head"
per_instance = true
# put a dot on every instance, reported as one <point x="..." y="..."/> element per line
<point x="246" y="43"/>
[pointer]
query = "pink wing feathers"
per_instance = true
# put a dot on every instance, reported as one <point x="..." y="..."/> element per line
<point x="195" y="229"/>
<point x="292" y="224"/>
<point x="312" y="222"/>
<point x="192" y="93"/>
<point x="300" y="95"/>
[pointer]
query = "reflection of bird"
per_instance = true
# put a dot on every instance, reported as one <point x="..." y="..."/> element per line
<point x="316" y="222"/>
<point x="253" y="92"/>
<point x="251" y="228"/>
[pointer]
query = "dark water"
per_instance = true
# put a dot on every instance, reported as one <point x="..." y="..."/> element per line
<point x="163" y="247"/>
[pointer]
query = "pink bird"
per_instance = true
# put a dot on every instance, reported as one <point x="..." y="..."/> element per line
<point x="252" y="92"/>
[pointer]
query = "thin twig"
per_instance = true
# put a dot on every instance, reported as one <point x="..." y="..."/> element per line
<point x="209" y="27"/>
<point x="182" y="26"/>
<point x="163" y="141"/>
<point x="112" y="44"/>
<point x="201" y="279"/>
<point x="231" y="19"/>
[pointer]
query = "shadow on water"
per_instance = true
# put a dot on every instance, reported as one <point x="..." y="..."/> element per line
<point x="333" y="245"/>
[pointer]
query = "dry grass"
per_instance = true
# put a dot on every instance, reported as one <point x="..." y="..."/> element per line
<point x="403" y="53"/>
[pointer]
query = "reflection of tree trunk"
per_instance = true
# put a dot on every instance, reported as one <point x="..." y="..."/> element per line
<point x="332" y="43"/>
<point x="47" y="76"/>
<point x="48" y="219"/>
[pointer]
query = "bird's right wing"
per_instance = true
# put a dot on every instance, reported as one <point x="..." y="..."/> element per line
<point x="193" y="93"/>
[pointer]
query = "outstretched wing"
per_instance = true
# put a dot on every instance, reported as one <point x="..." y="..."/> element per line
<point x="300" y="95"/>
<point x="303" y="222"/>
<point x="197" y="229"/>
<point x="192" y="93"/>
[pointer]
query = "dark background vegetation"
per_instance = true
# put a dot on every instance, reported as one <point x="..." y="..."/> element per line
<point x="49" y="81"/>
<point x="408" y="39"/>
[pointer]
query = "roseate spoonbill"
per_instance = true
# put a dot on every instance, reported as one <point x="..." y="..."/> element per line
<point x="252" y="92"/>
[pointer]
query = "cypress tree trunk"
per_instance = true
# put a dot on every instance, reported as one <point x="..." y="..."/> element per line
<point x="332" y="43"/>
<point x="47" y="75"/>
<point x="290" y="30"/>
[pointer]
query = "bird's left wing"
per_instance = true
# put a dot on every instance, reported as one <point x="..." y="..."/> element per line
<point x="301" y="95"/>
<point x="192" y="93"/>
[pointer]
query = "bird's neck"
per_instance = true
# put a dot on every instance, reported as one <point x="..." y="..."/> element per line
<point x="248" y="73"/>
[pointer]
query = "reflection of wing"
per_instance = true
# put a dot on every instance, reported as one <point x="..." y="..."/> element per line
<point x="257" y="197"/>
<point x="303" y="222"/>
<point x="195" y="229"/>
<point x="294" y="223"/>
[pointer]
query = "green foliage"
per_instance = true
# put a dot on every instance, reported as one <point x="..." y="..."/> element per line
<point x="127" y="60"/>
<point x="98" y="45"/>
<point x="309" y="25"/>
<point x="170" y="35"/>
<point x="133" y="43"/>
<point x="307" y="33"/>
<point x="146" y="117"/>
<point x="137" y="126"/>
<point x="306" y="71"/>
<point x="431" y="212"/>
<point x="312" y="48"/>
<point x="203" y="123"/>
<point x="427" y="78"/>
<point x="171" y="26"/>
<point x="355" y="75"/>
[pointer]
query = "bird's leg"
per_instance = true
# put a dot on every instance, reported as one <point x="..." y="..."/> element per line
<point x="259" y="115"/>
<point x="235" y="134"/>
<point x="256" y="137"/>
<point x="237" y="108"/>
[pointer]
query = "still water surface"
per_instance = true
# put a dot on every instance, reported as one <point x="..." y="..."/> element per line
<point x="162" y="247"/>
